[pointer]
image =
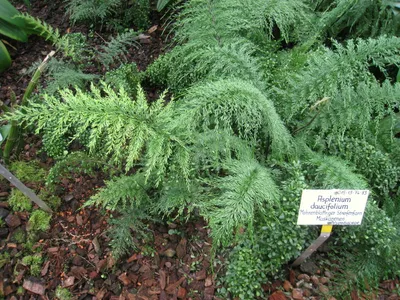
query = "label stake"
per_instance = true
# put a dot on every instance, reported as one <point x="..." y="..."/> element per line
<point x="325" y="234"/>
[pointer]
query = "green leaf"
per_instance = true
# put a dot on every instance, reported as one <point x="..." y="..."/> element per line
<point x="4" y="131"/>
<point x="12" y="31"/>
<point x="8" y="12"/>
<point x="5" y="59"/>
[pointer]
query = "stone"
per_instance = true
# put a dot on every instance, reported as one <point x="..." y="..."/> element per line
<point x="307" y="285"/>
<point x="304" y="277"/>
<point x="69" y="281"/>
<point x="323" y="289"/>
<point x="287" y="286"/>
<point x="309" y="267"/>
<point x="4" y="213"/>
<point x="279" y="295"/>
<point x="315" y="280"/>
<point x="12" y="221"/>
<point x="297" y="294"/>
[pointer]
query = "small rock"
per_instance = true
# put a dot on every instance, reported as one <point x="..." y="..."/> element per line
<point x="3" y="233"/>
<point x="323" y="289"/>
<point x="169" y="252"/>
<point x="181" y="293"/>
<point x="315" y="280"/>
<point x="324" y="280"/>
<point x="304" y="277"/>
<point x="297" y="294"/>
<point x="4" y="213"/>
<point x="287" y="286"/>
<point x="309" y="267"/>
<point x="168" y="264"/>
<point x="12" y="221"/>
<point x="34" y="286"/>
<point x="332" y="298"/>
<point x="328" y="274"/>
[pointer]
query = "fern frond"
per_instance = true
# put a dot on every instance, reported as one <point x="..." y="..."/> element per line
<point x="249" y="189"/>
<point x="114" y="49"/>
<point x="335" y="173"/>
<point x="237" y="107"/>
<point x="122" y="193"/>
<point x="361" y="18"/>
<point x="91" y="10"/>
<point x="118" y="127"/>
<point x="332" y="75"/>
<point x="36" y="26"/>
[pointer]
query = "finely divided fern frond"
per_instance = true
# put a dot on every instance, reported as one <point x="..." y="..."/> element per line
<point x="115" y="49"/>
<point x="248" y="190"/>
<point x="118" y="127"/>
<point x="237" y="107"/>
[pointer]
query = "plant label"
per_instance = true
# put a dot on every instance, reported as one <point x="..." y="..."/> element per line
<point x="332" y="207"/>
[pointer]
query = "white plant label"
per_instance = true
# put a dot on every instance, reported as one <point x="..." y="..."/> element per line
<point x="332" y="207"/>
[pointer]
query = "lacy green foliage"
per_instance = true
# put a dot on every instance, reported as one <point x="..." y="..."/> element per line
<point x="114" y="50"/>
<point x="38" y="221"/>
<point x="237" y="107"/>
<point x="327" y="172"/>
<point x="118" y="127"/>
<point x="36" y="26"/>
<point x="19" y="236"/>
<point x="127" y="230"/>
<point x="186" y="64"/>
<point x="125" y="192"/>
<point x="29" y="171"/>
<point x="34" y="262"/>
<point x="248" y="190"/>
<point x="376" y="166"/>
<point x="4" y="260"/>
<point x="360" y="18"/>
<point x="339" y="80"/>
<point x="115" y="13"/>
<point x="18" y="201"/>
<point x="372" y="249"/>
<point x="73" y="45"/>
<point x="75" y="162"/>
<point x="91" y="10"/>
<point x="62" y="74"/>
<point x="126" y="76"/>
